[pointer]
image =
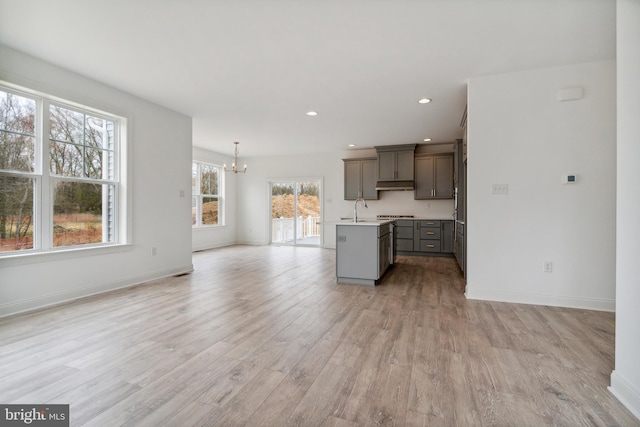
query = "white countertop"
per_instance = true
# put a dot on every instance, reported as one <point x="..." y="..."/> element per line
<point x="376" y="221"/>
<point x="365" y="222"/>
<point x="432" y="218"/>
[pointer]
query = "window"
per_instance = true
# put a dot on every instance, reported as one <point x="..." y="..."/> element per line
<point x="207" y="190"/>
<point x="59" y="174"/>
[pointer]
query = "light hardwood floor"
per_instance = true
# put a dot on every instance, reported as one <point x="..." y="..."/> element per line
<point x="263" y="336"/>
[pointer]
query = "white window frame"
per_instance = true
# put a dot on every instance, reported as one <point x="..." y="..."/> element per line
<point x="45" y="181"/>
<point x="198" y="197"/>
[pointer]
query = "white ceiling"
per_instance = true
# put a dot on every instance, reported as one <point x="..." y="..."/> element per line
<point x="248" y="71"/>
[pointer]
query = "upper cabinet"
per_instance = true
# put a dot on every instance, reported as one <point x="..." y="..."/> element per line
<point x="360" y="179"/>
<point x="463" y="125"/>
<point x="395" y="162"/>
<point x="459" y="180"/>
<point x="434" y="176"/>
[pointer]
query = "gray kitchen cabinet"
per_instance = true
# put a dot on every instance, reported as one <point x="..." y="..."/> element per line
<point x="446" y="237"/>
<point x="363" y="253"/>
<point x="459" y="181"/>
<point x="424" y="237"/>
<point x="460" y="205"/>
<point x="459" y="245"/>
<point x="433" y="177"/>
<point x="360" y="179"/>
<point x="384" y="252"/>
<point x="427" y="236"/>
<point x="395" y="162"/>
<point x="403" y="235"/>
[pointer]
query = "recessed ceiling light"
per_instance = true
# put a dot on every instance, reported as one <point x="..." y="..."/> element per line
<point x="427" y="140"/>
<point x="424" y="100"/>
<point x="351" y="145"/>
<point x="312" y="113"/>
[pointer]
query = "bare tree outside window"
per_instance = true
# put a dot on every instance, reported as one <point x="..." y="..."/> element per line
<point x="207" y="200"/>
<point x="80" y="146"/>
<point x="79" y="186"/>
<point x="17" y="154"/>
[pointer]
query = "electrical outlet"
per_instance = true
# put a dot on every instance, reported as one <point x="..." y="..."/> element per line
<point x="548" y="267"/>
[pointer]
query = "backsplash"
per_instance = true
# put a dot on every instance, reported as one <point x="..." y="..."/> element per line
<point x="401" y="203"/>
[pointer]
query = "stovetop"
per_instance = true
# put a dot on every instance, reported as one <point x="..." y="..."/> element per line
<point x="393" y="216"/>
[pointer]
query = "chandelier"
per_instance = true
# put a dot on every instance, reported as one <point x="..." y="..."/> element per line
<point x="234" y="165"/>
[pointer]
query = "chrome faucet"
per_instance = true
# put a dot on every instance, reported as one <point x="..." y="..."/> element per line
<point x="355" y="208"/>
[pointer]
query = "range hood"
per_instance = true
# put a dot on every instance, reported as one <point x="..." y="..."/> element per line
<point x="395" y="167"/>
<point x="394" y="185"/>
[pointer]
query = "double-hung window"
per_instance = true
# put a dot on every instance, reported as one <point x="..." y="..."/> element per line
<point x="207" y="194"/>
<point x="59" y="174"/>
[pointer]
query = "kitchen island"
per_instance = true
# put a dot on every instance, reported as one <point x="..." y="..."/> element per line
<point x="364" y="251"/>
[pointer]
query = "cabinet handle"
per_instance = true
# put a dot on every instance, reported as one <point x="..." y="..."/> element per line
<point x="430" y="232"/>
<point x="417" y="225"/>
<point x="431" y="246"/>
<point x="430" y="223"/>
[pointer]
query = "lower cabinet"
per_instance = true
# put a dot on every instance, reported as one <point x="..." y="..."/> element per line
<point x="403" y="235"/>
<point x="363" y="253"/>
<point x="459" y="247"/>
<point x="424" y="237"/>
<point x="448" y="237"/>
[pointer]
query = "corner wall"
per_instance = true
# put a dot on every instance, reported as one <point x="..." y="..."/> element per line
<point x="625" y="379"/>
<point x="519" y="134"/>
<point x="159" y="159"/>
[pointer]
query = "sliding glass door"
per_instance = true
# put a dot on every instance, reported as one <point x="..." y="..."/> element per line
<point x="295" y="212"/>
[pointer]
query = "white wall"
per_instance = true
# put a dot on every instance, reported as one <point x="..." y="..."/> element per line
<point x="159" y="164"/>
<point x="254" y="202"/>
<point x="625" y="380"/>
<point x="223" y="235"/>
<point x="519" y="134"/>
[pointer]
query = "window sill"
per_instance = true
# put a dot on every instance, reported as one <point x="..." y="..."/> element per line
<point x="207" y="227"/>
<point x="25" y="258"/>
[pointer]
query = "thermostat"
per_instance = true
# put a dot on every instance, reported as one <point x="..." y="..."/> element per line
<point x="569" y="178"/>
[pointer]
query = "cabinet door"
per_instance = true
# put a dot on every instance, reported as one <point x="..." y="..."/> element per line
<point x="404" y="245"/>
<point x="352" y="175"/>
<point x="423" y="178"/>
<point x="384" y="252"/>
<point x="457" y="153"/>
<point x="404" y="165"/>
<point x="369" y="191"/>
<point x="360" y="179"/>
<point x="446" y="236"/>
<point x="387" y="166"/>
<point x="443" y="177"/>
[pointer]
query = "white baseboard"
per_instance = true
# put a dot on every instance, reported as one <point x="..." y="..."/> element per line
<point x="252" y="242"/>
<point x="56" y="298"/>
<point x="207" y="247"/>
<point x="626" y="393"/>
<point x="541" y="299"/>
